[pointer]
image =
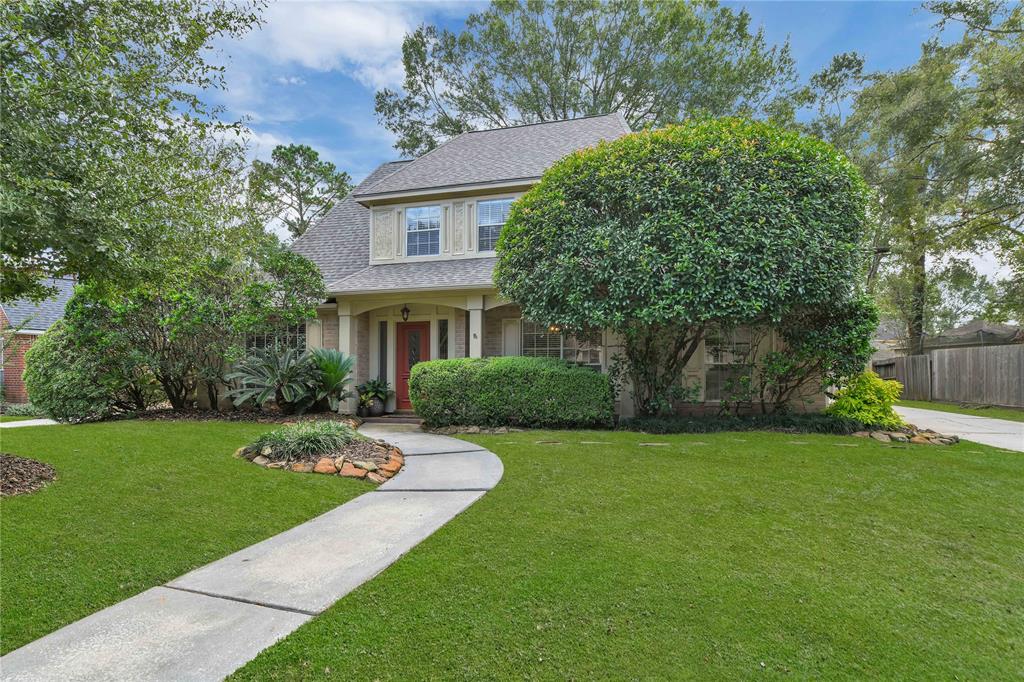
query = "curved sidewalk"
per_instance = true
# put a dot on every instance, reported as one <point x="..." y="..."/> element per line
<point x="1000" y="433"/>
<point x="208" y="623"/>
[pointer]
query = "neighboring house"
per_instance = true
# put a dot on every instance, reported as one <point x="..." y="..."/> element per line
<point x="889" y="339"/>
<point x="29" y="320"/>
<point x="408" y="256"/>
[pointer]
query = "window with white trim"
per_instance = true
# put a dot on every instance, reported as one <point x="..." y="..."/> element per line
<point x="541" y="341"/>
<point x="423" y="231"/>
<point x="490" y="218"/>
<point x="727" y="362"/>
<point x="293" y="337"/>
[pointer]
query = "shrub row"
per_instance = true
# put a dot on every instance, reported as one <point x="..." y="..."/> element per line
<point x="510" y="391"/>
<point x="790" y="423"/>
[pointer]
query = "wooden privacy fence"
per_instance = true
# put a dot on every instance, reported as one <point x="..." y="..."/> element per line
<point x="987" y="375"/>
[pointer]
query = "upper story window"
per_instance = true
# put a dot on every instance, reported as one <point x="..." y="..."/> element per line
<point x="423" y="231"/>
<point x="490" y="218"/>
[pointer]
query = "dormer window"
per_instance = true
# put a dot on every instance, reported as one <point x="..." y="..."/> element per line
<point x="490" y="218"/>
<point x="423" y="231"/>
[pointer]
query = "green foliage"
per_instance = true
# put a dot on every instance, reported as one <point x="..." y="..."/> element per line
<point x="510" y="391"/>
<point x="287" y="377"/>
<point x="376" y="388"/>
<point x="335" y="374"/>
<point x="515" y="62"/>
<point x="662" y="234"/>
<point x="108" y="146"/>
<point x="788" y="423"/>
<point x="22" y="410"/>
<point x="823" y="347"/>
<point x="306" y="440"/>
<point x="869" y="399"/>
<point x="296" y="186"/>
<point x="73" y="385"/>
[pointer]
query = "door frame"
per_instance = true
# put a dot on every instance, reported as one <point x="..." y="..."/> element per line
<point x="392" y="315"/>
<point x="401" y="350"/>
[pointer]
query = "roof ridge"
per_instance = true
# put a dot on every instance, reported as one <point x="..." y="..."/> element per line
<point x="542" y="123"/>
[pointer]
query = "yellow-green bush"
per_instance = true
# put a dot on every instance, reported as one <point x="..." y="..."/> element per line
<point x="868" y="398"/>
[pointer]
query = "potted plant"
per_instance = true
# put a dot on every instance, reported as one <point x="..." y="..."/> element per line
<point x="378" y="392"/>
<point x="365" y="400"/>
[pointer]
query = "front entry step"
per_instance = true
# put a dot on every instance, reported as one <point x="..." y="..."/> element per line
<point x="394" y="418"/>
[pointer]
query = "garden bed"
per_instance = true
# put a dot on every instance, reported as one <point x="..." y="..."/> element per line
<point x="324" y="447"/>
<point x="259" y="417"/>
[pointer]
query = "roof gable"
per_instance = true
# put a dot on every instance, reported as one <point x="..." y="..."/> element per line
<point x="32" y="316"/>
<point x="499" y="155"/>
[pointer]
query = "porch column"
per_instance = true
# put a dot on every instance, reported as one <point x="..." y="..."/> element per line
<point x="314" y="333"/>
<point x="347" y="345"/>
<point x="475" y="306"/>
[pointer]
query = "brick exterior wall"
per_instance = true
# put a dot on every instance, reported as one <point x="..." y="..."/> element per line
<point x="14" y="366"/>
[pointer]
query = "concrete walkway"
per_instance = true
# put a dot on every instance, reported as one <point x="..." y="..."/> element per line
<point x="27" y="422"/>
<point x="208" y="623"/>
<point x="1000" y="433"/>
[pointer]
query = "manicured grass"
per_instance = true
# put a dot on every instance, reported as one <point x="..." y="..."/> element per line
<point x="718" y="556"/>
<point x="994" y="412"/>
<point x="13" y="418"/>
<point x="136" y="504"/>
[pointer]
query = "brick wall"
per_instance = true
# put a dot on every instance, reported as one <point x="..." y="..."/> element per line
<point x="14" y="365"/>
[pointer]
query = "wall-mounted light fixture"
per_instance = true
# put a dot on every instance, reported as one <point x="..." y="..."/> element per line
<point x="405" y="313"/>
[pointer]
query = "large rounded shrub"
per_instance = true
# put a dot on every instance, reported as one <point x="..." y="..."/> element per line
<point x="661" y="234"/>
<point x="713" y="220"/>
<point x="510" y="391"/>
<point x="64" y="382"/>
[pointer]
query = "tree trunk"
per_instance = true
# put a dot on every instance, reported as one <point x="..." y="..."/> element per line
<point x="917" y="304"/>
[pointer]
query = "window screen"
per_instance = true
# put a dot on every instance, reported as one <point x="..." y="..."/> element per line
<point x="490" y="217"/>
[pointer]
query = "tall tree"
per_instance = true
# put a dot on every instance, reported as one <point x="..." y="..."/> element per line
<point x="104" y="136"/>
<point x="525" y="62"/>
<point x="296" y="186"/>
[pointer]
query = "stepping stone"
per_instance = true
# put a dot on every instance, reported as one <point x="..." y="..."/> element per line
<point x="797" y="442"/>
<point x="594" y="442"/>
<point x="549" y="442"/>
<point x="847" y="445"/>
<point x="653" y="445"/>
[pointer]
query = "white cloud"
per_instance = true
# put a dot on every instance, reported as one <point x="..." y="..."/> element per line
<point x="290" y="80"/>
<point x="361" y="39"/>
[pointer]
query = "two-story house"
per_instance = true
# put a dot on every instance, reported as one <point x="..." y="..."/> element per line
<point x="408" y="257"/>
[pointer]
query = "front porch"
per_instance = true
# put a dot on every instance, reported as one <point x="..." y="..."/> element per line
<point x="388" y="333"/>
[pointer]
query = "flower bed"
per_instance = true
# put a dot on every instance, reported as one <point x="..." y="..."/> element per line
<point x="325" y="447"/>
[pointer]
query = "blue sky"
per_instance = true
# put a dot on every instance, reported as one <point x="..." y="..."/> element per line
<point x="310" y="73"/>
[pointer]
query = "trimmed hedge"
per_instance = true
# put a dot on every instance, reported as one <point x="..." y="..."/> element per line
<point x="789" y="423"/>
<point x="510" y="391"/>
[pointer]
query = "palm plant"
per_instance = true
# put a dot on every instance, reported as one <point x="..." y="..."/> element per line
<point x="335" y="370"/>
<point x="288" y="377"/>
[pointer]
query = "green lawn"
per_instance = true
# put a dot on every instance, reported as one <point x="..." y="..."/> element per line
<point x="13" y="418"/>
<point x="1010" y="413"/>
<point x="719" y="556"/>
<point x="134" y="505"/>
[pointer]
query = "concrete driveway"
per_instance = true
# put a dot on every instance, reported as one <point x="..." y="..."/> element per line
<point x="1000" y="433"/>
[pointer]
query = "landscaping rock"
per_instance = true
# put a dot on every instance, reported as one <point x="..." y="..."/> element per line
<point x="391" y="467"/>
<point x="369" y="466"/>
<point x="861" y="434"/>
<point x="352" y="471"/>
<point x="898" y="436"/>
<point x="881" y="436"/>
<point x="920" y="440"/>
<point x="261" y="460"/>
<point x="375" y="477"/>
<point x="267" y="451"/>
<point x="302" y="467"/>
<point x="277" y="465"/>
<point x="325" y="466"/>
<point x="339" y="462"/>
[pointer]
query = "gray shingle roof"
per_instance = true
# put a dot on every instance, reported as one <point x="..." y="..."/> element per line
<point x="503" y="154"/>
<point x="40" y="316"/>
<point x="462" y="273"/>
<point x="339" y="243"/>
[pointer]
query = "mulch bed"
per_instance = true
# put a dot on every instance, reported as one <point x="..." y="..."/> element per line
<point x="245" y="416"/>
<point x="19" y="475"/>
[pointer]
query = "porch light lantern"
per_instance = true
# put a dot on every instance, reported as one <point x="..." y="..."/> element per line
<point x="405" y="313"/>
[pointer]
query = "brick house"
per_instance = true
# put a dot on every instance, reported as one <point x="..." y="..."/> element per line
<point x="30" y="319"/>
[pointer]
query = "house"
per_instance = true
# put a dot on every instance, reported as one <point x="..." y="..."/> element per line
<point x="407" y="260"/>
<point x="28" y="320"/>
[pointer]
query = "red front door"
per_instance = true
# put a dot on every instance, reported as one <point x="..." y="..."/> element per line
<point x="412" y="346"/>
